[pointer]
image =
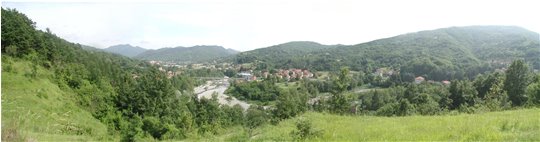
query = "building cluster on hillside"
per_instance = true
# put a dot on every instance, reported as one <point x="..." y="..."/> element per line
<point x="246" y="75"/>
<point x="152" y="62"/>
<point x="218" y="66"/>
<point x="501" y="70"/>
<point x="289" y="74"/>
<point x="169" y="74"/>
<point x="384" y="72"/>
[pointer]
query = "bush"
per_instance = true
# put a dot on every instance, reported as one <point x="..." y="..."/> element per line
<point x="304" y="130"/>
<point x="171" y="132"/>
<point x="6" y="64"/>
<point x="255" y="117"/>
<point x="153" y="126"/>
<point x="389" y="109"/>
<point x="533" y="92"/>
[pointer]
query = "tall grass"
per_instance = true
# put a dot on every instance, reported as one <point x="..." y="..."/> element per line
<point x="514" y="125"/>
<point x="36" y="107"/>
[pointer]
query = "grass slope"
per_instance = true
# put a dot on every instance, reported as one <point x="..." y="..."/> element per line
<point x="37" y="109"/>
<point x="515" y="125"/>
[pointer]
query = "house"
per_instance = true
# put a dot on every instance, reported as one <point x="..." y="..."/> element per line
<point x="289" y="74"/>
<point x="245" y="75"/>
<point x="170" y="74"/>
<point x="419" y="80"/>
<point x="253" y="78"/>
<point x="154" y="62"/>
<point x="445" y="82"/>
<point x="265" y="74"/>
<point x="384" y="72"/>
<point x="379" y="71"/>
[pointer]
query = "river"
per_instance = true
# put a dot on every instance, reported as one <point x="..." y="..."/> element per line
<point x="219" y="87"/>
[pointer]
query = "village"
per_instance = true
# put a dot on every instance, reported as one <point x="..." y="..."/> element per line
<point x="288" y="75"/>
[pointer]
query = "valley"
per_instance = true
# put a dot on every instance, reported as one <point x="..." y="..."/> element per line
<point x="467" y="83"/>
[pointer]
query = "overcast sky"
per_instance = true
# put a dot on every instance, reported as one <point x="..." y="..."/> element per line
<point x="248" y="24"/>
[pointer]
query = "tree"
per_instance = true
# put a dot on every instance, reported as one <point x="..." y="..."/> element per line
<point x="255" y="117"/>
<point x="533" y="92"/>
<point x="405" y="108"/>
<point x="496" y="98"/>
<point x="483" y="83"/>
<point x="338" y="102"/>
<point x="208" y="115"/>
<point x="425" y="105"/>
<point x="462" y="93"/>
<point x="343" y="81"/>
<point x="516" y="82"/>
<point x="290" y="103"/>
<point x="230" y="72"/>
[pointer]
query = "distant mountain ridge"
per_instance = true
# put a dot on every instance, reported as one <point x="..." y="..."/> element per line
<point x="198" y="53"/>
<point x="281" y="51"/>
<point x="126" y="50"/>
<point x="445" y="53"/>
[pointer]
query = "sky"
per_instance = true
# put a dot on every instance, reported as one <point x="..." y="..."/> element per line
<point x="249" y="24"/>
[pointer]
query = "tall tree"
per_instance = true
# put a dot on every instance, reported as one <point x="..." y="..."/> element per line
<point x="517" y="77"/>
<point x="338" y="102"/>
<point x="462" y="93"/>
<point x="343" y="81"/>
<point x="496" y="98"/>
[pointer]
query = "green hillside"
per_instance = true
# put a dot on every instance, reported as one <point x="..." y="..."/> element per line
<point x="441" y="54"/>
<point x="514" y="125"/>
<point x="186" y="54"/>
<point x="125" y="49"/>
<point x="280" y="54"/>
<point x="55" y="90"/>
<point x="37" y="109"/>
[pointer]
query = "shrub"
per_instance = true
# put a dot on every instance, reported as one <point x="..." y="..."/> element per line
<point x="304" y="130"/>
<point x="389" y="109"/>
<point x="533" y="92"/>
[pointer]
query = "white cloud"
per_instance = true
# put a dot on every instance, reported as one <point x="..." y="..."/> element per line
<point x="247" y="24"/>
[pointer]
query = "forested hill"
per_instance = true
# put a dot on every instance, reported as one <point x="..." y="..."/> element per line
<point x="280" y="53"/>
<point x="186" y="54"/>
<point x="447" y="53"/>
<point x="55" y="89"/>
<point x="125" y="49"/>
<point x="500" y="44"/>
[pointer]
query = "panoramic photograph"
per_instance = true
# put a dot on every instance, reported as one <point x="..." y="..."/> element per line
<point x="270" y="70"/>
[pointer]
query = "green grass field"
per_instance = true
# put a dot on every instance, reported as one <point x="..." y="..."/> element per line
<point x="514" y="125"/>
<point x="36" y="109"/>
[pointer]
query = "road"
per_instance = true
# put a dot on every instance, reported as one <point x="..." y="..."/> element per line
<point x="219" y="87"/>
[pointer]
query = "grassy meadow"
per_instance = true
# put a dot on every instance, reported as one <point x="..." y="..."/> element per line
<point x="513" y="125"/>
<point x="37" y="109"/>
